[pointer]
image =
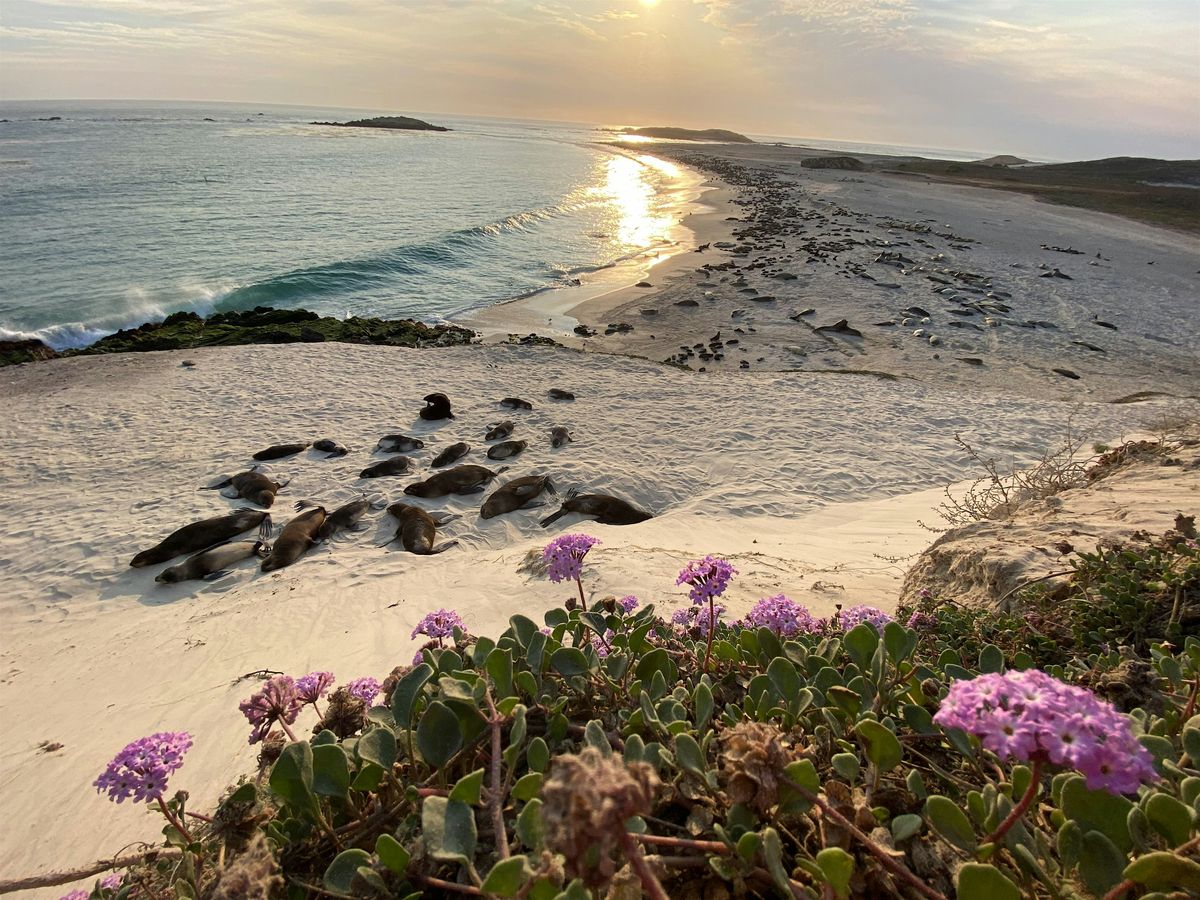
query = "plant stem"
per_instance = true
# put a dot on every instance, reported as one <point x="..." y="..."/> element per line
<point x="451" y="886"/>
<point x="712" y="627"/>
<point x="53" y="879"/>
<point x="1019" y="810"/>
<point x="287" y="731"/>
<point x="495" y="795"/>
<point x="637" y="862"/>
<point x="173" y="819"/>
<point x="582" y="602"/>
<point x="689" y="843"/>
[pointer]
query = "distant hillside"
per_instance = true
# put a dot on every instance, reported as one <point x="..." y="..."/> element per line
<point x="399" y="123"/>
<point x="669" y="133"/>
<point x="1003" y="160"/>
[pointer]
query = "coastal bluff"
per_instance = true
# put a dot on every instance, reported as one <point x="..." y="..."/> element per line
<point x="670" y="133"/>
<point x="394" y="123"/>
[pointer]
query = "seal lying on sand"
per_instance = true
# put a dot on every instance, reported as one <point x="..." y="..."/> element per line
<point x="212" y="563"/>
<point x="279" y="451"/>
<point x="505" y="449"/>
<point x="560" y="436"/>
<point x="345" y="516"/>
<point x="331" y="447"/>
<point x="468" y="479"/>
<point x="253" y="486"/>
<point x="453" y="453"/>
<point x="560" y="394"/>
<point x="399" y="443"/>
<point x="203" y="534"/>
<point x="516" y="403"/>
<point x="517" y="494"/>
<point x="607" y="509"/>
<point x="397" y="465"/>
<point x="499" y="430"/>
<point x="297" y="537"/>
<point x="437" y="406"/>
<point x="418" y="529"/>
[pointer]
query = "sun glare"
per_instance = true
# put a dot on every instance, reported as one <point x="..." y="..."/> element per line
<point x="648" y="3"/>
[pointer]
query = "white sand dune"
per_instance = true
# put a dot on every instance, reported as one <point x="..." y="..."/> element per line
<point x="806" y="481"/>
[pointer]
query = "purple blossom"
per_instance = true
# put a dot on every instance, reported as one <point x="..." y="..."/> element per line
<point x="697" y="617"/>
<point x="439" y="624"/>
<point x="565" y="555"/>
<point x="781" y="615"/>
<point x="920" y="621"/>
<point x="313" y="686"/>
<point x="365" y="689"/>
<point x="708" y="578"/>
<point x="856" y="615"/>
<point x="276" y="702"/>
<point x="629" y="604"/>
<point x="418" y="658"/>
<point x="1030" y="715"/>
<point x="141" y="770"/>
<point x="602" y="647"/>
<point x="76" y="895"/>
<point x="112" y="881"/>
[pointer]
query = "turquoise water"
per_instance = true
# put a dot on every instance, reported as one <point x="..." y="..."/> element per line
<point x="121" y="213"/>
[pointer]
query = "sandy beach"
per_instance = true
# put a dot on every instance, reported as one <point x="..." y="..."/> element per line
<point x="812" y="472"/>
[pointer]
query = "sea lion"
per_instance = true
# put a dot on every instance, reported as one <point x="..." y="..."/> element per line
<point x="418" y="529"/>
<point x="345" y="516"/>
<point x="297" y="537"/>
<point x="399" y="443"/>
<point x="330" y="446"/>
<point x="607" y="509"/>
<point x="437" y="406"/>
<point x="468" y="479"/>
<point x="499" y="430"/>
<point x="212" y="563"/>
<point x="397" y="465"/>
<point x="505" y="449"/>
<point x="517" y="494"/>
<point x="279" y="451"/>
<point x="203" y="534"/>
<point x="560" y="394"/>
<point x="560" y="436"/>
<point x="252" y="485"/>
<point x="453" y="453"/>
<point x="516" y="403"/>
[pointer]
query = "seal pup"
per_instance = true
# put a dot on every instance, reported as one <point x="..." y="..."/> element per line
<point x="607" y="509"/>
<point x="559" y="435"/>
<point x="212" y="563"/>
<point x="418" y="529"/>
<point x="560" y="394"/>
<point x="252" y="485"/>
<point x="397" y="465"/>
<point x="499" y="430"/>
<point x="346" y="516"/>
<point x="296" y="539"/>
<point x="203" y="534"/>
<point x="331" y="447"/>
<point x="453" y="453"/>
<point x="467" y="479"/>
<point x="517" y="494"/>
<point x="437" y="406"/>
<point x="279" y="451"/>
<point x="516" y="403"/>
<point x="506" y="449"/>
<point x="399" y="443"/>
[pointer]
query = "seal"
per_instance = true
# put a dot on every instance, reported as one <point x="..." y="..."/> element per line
<point x="346" y="516"/>
<point x="506" y="449"/>
<point x="418" y="529"/>
<point x="560" y="394"/>
<point x="468" y="479"/>
<point x="330" y="446"/>
<point x="203" y="534"/>
<point x="397" y="465"/>
<point x="516" y="403"/>
<point x="279" y="451"/>
<point x="212" y="563"/>
<point x="437" y="406"/>
<point x="252" y="485"/>
<point x="517" y="494"/>
<point x="560" y="436"/>
<point x="607" y="509"/>
<point x="399" y="443"/>
<point x="294" y="541"/>
<point x="499" y="430"/>
<point x="453" y="453"/>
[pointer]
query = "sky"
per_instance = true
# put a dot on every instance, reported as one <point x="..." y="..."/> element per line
<point x="1051" y="79"/>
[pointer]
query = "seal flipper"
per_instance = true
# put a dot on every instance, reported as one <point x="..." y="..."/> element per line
<point x="225" y="482"/>
<point x="230" y="493"/>
<point x="532" y="504"/>
<point x="214" y="576"/>
<point x="447" y="517"/>
<point x="554" y="517"/>
<point x="443" y="547"/>
<point x="265" y="531"/>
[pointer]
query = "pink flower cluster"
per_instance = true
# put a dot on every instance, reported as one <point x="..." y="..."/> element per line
<point x="365" y="689"/>
<point x="439" y="624"/>
<point x="782" y="615"/>
<point x="708" y="578"/>
<point x="565" y="555"/>
<point x="856" y="615"/>
<point x="278" y="701"/>
<point x="312" y="687"/>
<point x="1032" y="716"/>
<point x="629" y="604"/>
<point x="141" y="770"/>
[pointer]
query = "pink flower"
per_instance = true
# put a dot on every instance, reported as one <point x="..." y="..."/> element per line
<point x="708" y="578"/>
<point x="141" y="769"/>
<point x="565" y="555"/>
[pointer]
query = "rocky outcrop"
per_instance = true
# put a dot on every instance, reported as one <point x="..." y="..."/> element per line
<point x="845" y="163"/>
<point x="396" y="123"/>
<point x="14" y="352"/>
<point x="670" y="133"/>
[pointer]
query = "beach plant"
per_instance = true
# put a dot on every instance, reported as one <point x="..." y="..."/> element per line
<point x="564" y="557"/>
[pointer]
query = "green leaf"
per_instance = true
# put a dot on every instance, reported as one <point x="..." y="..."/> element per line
<point x="1164" y="871"/>
<point x="535" y="653"/>
<point x="537" y="755"/>
<point x="804" y="773"/>
<point x="499" y="666"/>
<point x="656" y="660"/>
<point x="331" y="771"/>
<point x="702" y="701"/>
<point x="860" y="642"/>
<point x="405" y="695"/>
<point x="991" y="660"/>
<point x="784" y="676"/>
<point x="689" y="754"/>
<point x="748" y="846"/>
<point x="507" y="877"/>
<point x="392" y="853"/>
<point x="524" y="628"/>
<point x="919" y="719"/>
<point x="979" y="881"/>
<point x="439" y="735"/>
<point x="948" y="820"/>
<point x="341" y="872"/>
<point x="916" y="784"/>
<point x="898" y="641"/>
<point x="292" y="777"/>
<point x="325" y="737"/>
<point x="468" y="789"/>
<point x="846" y="765"/>
<point x="905" y="826"/>
<point x="594" y="736"/>
<point x="1170" y="818"/>
<point x="837" y="866"/>
<point x="772" y="851"/>
<point x="1191" y="744"/>
<point x="882" y="746"/>
<point x="527" y="786"/>
<point x="449" y="828"/>
<point x="1101" y="864"/>
<point x="569" y="661"/>
<point x="378" y="746"/>
<point x="530" y="830"/>
<point x="1070" y="843"/>
<point x="1098" y="811"/>
<point x="556" y="616"/>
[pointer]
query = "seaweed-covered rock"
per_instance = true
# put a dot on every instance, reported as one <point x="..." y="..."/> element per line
<point x="13" y="352"/>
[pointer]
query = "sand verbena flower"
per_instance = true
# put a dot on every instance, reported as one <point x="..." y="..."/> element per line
<point x="312" y="687"/>
<point x="365" y="689"/>
<point x="142" y="769"/>
<point x="278" y="701"/>
<point x="856" y="615"/>
<point x="782" y="615"/>
<point x="439" y="624"/>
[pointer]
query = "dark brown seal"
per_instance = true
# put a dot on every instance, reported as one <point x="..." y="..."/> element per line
<point x="516" y="403"/>
<point x="499" y="430"/>
<point x="506" y="449"/>
<point x="560" y="394"/>
<point x="418" y="529"/>
<point x="468" y="479"/>
<point x="297" y="537"/>
<point x="437" y="406"/>
<point x="453" y="453"/>
<point x="559" y="436"/>
<point x="397" y="465"/>
<point x="607" y="509"/>
<point x="212" y="563"/>
<point x="252" y="485"/>
<point x="517" y="494"/>
<point x="203" y="534"/>
<point x="331" y="447"/>
<point x="346" y="516"/>
<point x="399" y="443"/>
<point x="279" y="451"/>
